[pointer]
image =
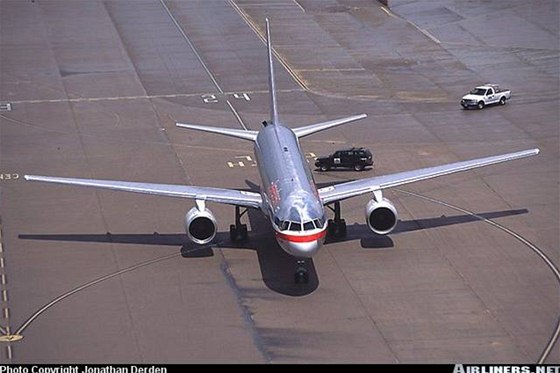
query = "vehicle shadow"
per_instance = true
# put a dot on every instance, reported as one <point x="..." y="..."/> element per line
<point x="474" y="109"/>
<point x="277" y="267"/>
<point x="342" y="169"/>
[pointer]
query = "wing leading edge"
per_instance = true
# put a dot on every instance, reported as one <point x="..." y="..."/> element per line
<point x="359" y="187"/>
<point x="227" y="196"/>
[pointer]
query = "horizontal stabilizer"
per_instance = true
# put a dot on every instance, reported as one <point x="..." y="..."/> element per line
<point x="240" y="134"/>
<point x="312" y="128"/>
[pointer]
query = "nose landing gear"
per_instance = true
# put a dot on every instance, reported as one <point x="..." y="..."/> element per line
<point x="301" y="276"/>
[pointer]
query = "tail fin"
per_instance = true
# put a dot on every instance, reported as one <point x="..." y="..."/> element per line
<point x="271" y="82"/>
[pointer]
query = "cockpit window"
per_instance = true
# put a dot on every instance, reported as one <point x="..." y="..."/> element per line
<point x="295" y="226"/>
<point x="308" y="226"/>
<point x="299" y="226"/>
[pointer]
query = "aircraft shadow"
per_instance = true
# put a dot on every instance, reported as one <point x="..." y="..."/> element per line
<point x="277" y="267"/>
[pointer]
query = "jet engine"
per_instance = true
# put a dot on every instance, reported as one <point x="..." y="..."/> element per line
<point x="200" y="224"/>
<point x="381" y="215"/>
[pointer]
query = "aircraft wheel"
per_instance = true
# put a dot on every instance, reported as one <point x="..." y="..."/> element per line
<point x="238" y="234"/>
<point x="301" y="276"/>
<point x="337" y="229"/>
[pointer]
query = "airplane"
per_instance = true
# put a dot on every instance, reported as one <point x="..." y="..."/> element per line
<point x="288" y="195"/>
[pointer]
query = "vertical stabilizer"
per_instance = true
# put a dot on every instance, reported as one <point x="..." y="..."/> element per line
<point x="271" y="83"/>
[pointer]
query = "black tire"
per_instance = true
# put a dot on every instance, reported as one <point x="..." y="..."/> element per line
<point x="480" y="105"/>
<point x="324" y="168"/>
<point x="342" y="228"/>
<point x="502" y="100"/>
<point x="336" y="229"/>
<point x="301" y="277"/>
<point x="358" y="167"/>
<point x="238" y="234"/>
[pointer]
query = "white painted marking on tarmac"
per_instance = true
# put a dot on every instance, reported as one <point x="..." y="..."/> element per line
<point x="148" y="97"/>
<point x="249" y="23"/>
<point x="425" y="32"/>
<point x="199" y="57"/>
<point x="388" y="12"/>
<point x="192" y="46"/>
<point x="5" y="337"/>
<point x="105" y="98"/>
<point x="10" y="337"/>
<point x="38" y="313"/>
<point x="328" y="70"/>
<point x="299" y="5"/>
<point x="236" y="114"/>
<point x="209" y="98"/>
<point x="242" y="95"/>
<point x="534" y="248"/>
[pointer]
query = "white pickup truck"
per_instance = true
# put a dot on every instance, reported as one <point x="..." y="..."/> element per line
<point x="485" y="95"/>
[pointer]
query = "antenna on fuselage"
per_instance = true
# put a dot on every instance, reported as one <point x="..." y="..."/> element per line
<point x="271" y="82"/>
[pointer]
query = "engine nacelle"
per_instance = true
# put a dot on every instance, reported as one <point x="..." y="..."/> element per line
<point x="381" y="216"/>
<point x="200" y="225"/>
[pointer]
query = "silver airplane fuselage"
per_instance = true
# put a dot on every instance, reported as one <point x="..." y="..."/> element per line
<point x="290" y="198"/>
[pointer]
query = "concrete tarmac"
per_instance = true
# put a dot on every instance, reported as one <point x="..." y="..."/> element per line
<point x="93" y="89"/>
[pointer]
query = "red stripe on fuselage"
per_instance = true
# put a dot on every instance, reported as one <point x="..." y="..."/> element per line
<point x="298" y="238"/>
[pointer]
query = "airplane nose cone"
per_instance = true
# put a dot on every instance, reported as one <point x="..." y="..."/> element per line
<point x="300" y="249"/>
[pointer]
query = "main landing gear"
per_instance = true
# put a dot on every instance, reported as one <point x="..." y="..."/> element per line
<point x="336" y="227"/>
<point x="301" y="276"/>
<point x="238" y="231"/>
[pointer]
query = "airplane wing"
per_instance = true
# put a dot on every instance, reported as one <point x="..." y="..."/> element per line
<point x="227" y="196"/>
<point x="313" y="128"/>
<point x="358" y="187"/>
